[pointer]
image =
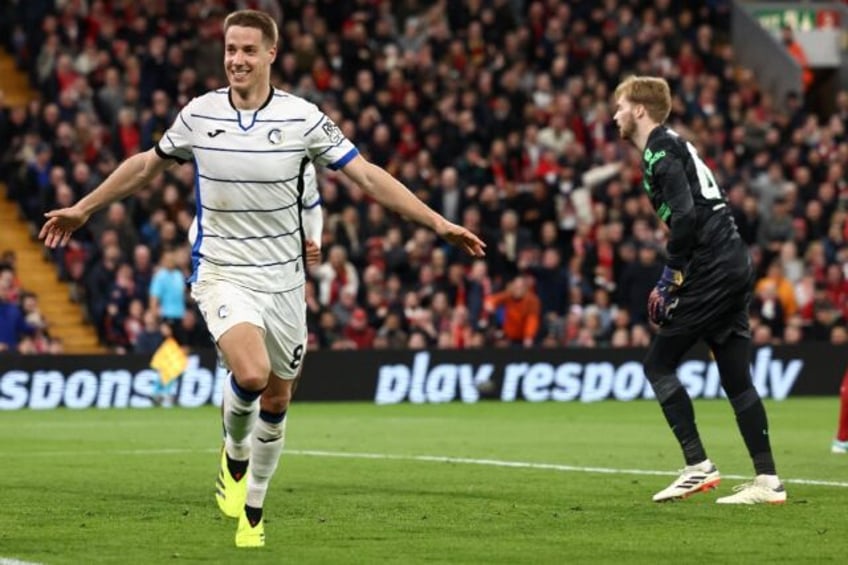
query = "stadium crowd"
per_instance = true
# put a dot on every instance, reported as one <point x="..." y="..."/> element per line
<point x="495" y="112"/>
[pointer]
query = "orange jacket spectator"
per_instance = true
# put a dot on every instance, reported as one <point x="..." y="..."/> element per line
<point x="785" y="290"/>
<point x="798" y="54"/>
<point x="521" y="307"/>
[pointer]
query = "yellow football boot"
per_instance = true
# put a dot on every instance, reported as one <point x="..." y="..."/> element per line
<point x="250" y="536"/>
<point x="229" y="492"/>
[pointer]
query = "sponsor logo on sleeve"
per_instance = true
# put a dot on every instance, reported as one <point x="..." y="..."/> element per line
<point x="332" y="131"/>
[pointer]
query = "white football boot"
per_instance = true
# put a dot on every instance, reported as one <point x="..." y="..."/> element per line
<point x="701" y="477"/>
<point x="839" y="447"/>
<point x="765" y="489"/>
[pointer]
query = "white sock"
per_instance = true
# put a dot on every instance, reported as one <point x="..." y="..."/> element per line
<point x="771" y="481"/>
<point x="240" y="413"/>
<point x="266" y="447"/>
<point x="704" y="465"/>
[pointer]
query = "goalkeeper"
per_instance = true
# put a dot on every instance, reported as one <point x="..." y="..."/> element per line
<point x="703" y="294"/>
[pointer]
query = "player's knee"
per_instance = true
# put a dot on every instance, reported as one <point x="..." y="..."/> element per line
<point x="276" y="403"/>
<point x="655" y="369"/>
<point x="253" y="378"/>
<point x="663" y="378"/>
<point x="744" y="400"/>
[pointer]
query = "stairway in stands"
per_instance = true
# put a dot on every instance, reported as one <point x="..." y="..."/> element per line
<point x="36" y="273"/>
<point x="15" y="84"/>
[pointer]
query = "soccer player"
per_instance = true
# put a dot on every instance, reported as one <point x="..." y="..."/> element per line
<point x="840" y="442"/>
<point x="251" y="144"/>
<point x="703" y="294"/>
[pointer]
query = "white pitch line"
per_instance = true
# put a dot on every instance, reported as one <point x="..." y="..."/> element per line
<point x="539" y="466"/>
<point x="421" y="458"/>
<point x="9" y="561"/>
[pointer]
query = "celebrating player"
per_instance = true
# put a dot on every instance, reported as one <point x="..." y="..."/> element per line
<point x="251" y="144"/>
<point x="703" y="293"/>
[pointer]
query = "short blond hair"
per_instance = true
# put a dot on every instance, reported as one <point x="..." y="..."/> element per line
<point x="651" y="92"/>
<point x="257" y="20"/>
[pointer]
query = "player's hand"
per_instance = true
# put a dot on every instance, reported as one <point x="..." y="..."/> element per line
<point x="60" y="224"/>
<point x="663" y="299"/>
<point x="313" y="253"/>
<point x="462" y="238"/>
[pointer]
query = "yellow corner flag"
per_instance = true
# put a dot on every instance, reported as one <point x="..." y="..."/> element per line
<point x="170" y="360"/>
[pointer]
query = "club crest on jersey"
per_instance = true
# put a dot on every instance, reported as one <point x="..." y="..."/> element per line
<point x="275" y="136"/>
<point x="332" y="131"/>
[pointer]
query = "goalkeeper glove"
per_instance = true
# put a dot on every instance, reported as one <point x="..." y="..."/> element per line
<point x="662" y="301"/>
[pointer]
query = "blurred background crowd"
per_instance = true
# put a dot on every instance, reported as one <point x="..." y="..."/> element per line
<point x="495" y="112"/>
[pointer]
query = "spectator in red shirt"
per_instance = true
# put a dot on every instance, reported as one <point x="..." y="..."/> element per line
<point x="129" y="135"/>
<point x="837" y="287"/>
<point x="358" y="331"/>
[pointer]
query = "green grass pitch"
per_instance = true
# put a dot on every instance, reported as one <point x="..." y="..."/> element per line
<point x="135" y="486"/>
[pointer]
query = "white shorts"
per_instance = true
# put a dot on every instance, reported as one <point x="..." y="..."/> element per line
<point x="281" y="316"/>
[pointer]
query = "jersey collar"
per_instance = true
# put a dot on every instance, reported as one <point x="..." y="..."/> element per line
<point x="656" y="132"/>
<point x="267" y="100"/>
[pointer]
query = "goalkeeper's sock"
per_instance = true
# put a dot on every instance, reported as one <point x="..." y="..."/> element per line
<point x="753" y="425"/>
<point x="267" y="443"/>
<point x="239" y="412"/>
<point x="680" y="416"/>
<point x="842" y="432"/>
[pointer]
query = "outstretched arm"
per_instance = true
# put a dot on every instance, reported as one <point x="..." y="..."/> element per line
<point x="392" y="194"/>
<point x="134" y="173"/>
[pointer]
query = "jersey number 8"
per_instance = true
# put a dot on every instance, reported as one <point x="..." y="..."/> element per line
<point x="297" y="357"/>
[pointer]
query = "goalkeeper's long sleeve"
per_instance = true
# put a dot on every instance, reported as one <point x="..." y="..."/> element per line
<point x="671" y="178"/>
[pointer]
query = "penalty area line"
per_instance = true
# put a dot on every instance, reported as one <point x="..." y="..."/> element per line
<point x="419" y="458"/>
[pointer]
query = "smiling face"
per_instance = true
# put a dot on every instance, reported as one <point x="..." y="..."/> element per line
<point x="247" y="58"/>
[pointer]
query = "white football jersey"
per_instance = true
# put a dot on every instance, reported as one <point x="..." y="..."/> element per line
<point x="253" y="177"/>
<point x="310" y="194"/>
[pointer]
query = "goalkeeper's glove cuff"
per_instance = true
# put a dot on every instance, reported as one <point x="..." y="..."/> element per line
<point x="671" y="277"/>
<point x="662" y="300"/>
